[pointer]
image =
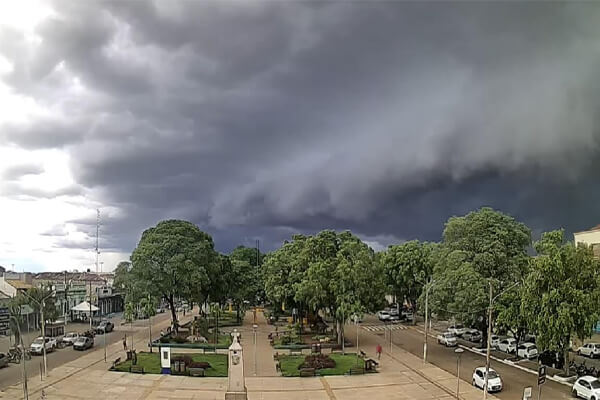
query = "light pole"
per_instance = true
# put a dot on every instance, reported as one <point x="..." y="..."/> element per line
<point x="24" y="371"/>
<point x="427" y="287"/>
<point x="42" y="304"/>
<point x="458" y="352"/>
<point x="254" y="328"/>
<point x="489" y="335"/>
<point x="356" y="322"/>
<point x="150" y="321"/>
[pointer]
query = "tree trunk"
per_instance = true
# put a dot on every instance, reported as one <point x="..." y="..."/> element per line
<point x="566" y="355"/>
<point x="173" y="313"/>
<point x="340" y="329"/>
<point x="237" y="312"/>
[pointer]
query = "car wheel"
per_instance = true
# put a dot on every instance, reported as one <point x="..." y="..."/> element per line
<point x="574" y="393"/>
<point x="593" y="398"/>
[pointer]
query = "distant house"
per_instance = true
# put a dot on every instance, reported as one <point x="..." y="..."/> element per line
<point x="12" y="283"/>
<point x="591" y="238"/>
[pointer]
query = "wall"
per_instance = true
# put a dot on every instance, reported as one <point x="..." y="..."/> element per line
<point x="591" y="238"/>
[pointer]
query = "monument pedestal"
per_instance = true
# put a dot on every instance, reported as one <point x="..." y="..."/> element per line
<point x="236" y="386"/>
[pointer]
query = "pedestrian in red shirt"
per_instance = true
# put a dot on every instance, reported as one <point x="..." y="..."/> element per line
<point x="378" y="351"/>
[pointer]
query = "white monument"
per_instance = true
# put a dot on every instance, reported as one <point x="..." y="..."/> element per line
<point x="165" y="360"/>
<point x="236" y="388"/>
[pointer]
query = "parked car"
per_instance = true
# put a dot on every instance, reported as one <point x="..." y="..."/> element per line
<point x="586" y="387"/>
<point x="457" y="329"/>
<point x="552" y="359"/>
<point x="394" y="311"/>
<point x="591" y="350"/>
<point x="448" y="339"/>
<point x="472" y="335"/>
<point x="527" y="350"/>
<point x="407" y="315"/>
<point x="394" y="318"/>
<point x="494" y="340"/>
<point x="160" y="310"/>
<point x="494" y="380"/>
<point x="69" y="338"/>
<point x="37" y="346"/>
<point x="104" y="326"/>
<point x="383" y="315"/>
<point x="83" y="343"/>
<point x="3" y="360"/>
<point x="508" y="345"/>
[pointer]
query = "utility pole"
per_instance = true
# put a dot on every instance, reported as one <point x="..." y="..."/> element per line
<point x="90" y="281"/>
<point x="66" y="303"/>
<point x="24" y="371"/>
<point x="150" y="322"/>
<point x="44" y="338"/>
<point x="427" y="287"/>
<point x="97" y="236"/>
<point x="489" y="343"/>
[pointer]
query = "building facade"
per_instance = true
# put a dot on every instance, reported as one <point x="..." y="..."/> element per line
<point x="591" y="238"/>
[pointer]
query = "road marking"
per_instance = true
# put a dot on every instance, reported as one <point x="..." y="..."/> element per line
<point x="381" y="328"/>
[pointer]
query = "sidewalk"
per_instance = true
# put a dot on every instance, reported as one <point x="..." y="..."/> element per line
<point x="402" y="377"/>
<point x="265" y="366"/>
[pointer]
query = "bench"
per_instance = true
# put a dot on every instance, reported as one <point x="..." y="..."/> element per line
<point x="362" y="354"/>
<point x="336" y="348"/>
<point x="356" y="371"/>
<point x="196" y="371"/>
<point x="295" y="352"/>
<point x="114" y="364"/>
<point x="371" y="365"/>
<point x="209" y="350"/>
<point x="306" y="372"/>
<point x="136" y="369"/>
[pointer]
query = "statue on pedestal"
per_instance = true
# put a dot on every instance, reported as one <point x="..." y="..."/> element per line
<point x="236" y="387"/>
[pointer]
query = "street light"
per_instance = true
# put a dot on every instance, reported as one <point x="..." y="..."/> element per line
<point x="458" y="352"/>
<point x="42" y="305"/>
<point x="489" y="335"/>
<point x="254" y="328"/>
<point x="24" y="371"/>
<point x="427" y="288"/>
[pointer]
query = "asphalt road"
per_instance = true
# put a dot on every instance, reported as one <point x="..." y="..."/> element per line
<point x="12" y="374"/>
<point x="411" y="340"/>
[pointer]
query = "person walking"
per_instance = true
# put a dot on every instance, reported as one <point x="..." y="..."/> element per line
<point x="125" y="343"/>
<point x="378" y="350"/>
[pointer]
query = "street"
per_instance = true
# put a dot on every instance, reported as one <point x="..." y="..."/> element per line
<point x="12" y="374"/>
<point x="411" y="340"/>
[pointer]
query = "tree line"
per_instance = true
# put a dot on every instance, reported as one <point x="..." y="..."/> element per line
<point x="549" y="287"/>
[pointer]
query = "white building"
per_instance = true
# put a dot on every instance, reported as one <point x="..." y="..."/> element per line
<point x="591" y="238"/>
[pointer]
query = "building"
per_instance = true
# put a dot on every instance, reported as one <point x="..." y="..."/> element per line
<point x="109" y="300"/>
<point x="12" y="283"/>
<point x="590" y="237"/>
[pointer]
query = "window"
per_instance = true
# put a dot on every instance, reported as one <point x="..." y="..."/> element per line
<point x="584" y="384"/>
<point x="480" y="374"/>
<point x="595" y="384"/>
<point x="165" y="355"/>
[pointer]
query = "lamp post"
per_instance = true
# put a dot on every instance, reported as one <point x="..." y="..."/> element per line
<point x="356" y="322"/>
<point x="458" y="352"/>
<point x="24" y="371"/>
<point x="254" y="328"/>
<point x="42" y="305"/>
<point x="427" y="288"/>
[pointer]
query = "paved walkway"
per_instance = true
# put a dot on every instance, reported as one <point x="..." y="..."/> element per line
<point x="402" y="377"/>
<point x="264" y="352"/>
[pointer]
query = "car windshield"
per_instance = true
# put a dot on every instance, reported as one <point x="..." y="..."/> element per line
<point x="81" y="339"/>
<point x="595" y="384"/>
<point x="449" y="335"/>
<point x="38" y="341"/>
<point x="493" y="374"/>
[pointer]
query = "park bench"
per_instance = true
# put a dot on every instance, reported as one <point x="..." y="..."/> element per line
<point x="209" y="350"/>
<point x="336" y="348"/>
<point x="114" y="364"/>
<point x="295" y="352"/>
<point x="305" y="372"/>
<point x="136" y="369"/>
<point x="196" y="371"/>
<point x="362" y="354"/>
<point x="356" y="371"/>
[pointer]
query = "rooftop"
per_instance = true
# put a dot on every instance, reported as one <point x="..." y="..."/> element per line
<point x="19" y="284"/>
<point x="70" y="276"/>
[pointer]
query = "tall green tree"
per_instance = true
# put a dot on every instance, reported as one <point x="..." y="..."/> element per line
<point x="561" y="296"/>
<point x="408" y="267"/>
<point x="175" y="259"/>
<point x="481" y="248"/>
<point x="247" y="263"/>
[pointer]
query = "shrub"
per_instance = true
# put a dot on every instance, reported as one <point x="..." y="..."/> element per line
<point x="179" y="339"/>
<point x="317" y="361"/>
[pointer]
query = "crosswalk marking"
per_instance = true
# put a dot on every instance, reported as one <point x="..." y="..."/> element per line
<point x="381" y="328"/>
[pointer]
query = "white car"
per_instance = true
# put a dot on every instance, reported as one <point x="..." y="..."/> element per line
<point x="38" y="348"/>
<point x="494" y="380"/>
<point x="508" y="345"/>
<point x="591" y="350"/>
<point x="383" y="315"/>
<point x="457" y="329"/>
<point x="70" y="338"/>
<point x="586" y="387"/>
<point x="495" y="340"/>
<point x="527" y="350"/>
<point x="448" y="339"/>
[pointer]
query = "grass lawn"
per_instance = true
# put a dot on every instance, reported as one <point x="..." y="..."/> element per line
<point x="151" y="363"/>
<point x="343" y="362"/>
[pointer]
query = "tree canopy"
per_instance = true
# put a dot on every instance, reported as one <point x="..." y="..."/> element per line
<point x="175" y="259"/>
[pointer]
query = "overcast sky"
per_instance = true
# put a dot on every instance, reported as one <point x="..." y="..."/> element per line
<point x="258" y="120"/>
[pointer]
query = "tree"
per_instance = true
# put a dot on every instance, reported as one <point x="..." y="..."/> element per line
<point x="561" y="296"/>
<point x="175" y="259"/>
<point x="408" y="266"/>
<point x="123" y="275"/>
<point x="482" y="247"/>
<point x="247" y="268"/>
<point x="34" y="299"/>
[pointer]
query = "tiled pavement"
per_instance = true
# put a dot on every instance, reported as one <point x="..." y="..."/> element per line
<point x="401" y="377"/>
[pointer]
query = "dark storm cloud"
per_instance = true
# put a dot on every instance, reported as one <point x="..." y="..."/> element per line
<point x="258" y="120"/>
